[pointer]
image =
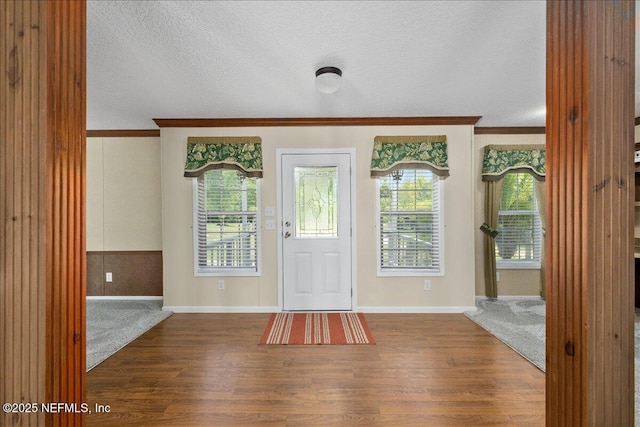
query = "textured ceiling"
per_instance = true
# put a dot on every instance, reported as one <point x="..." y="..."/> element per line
<point x="178" y="59"/>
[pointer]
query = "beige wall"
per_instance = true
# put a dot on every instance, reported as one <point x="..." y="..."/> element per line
<point x="124" y="213"/>
<point x="123" y="194"/>
<point x="454" y="291"/>
<point x="512" y="282"/>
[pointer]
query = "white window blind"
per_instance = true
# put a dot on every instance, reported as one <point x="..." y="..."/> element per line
<point x="520" y="235"/>
<point x="410" y="222"/>
<point x="226" y="216"/>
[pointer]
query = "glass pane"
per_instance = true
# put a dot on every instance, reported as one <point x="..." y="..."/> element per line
<point x="409" y="218"/>
<point x="517" y="237"/>
<point x="408" y="240"/>
<point x="230" y="241"/>
<point x="228" y="191"/>
<point x="316" y="201"/>
<point x="517" y="192"/>
<point x="227" y="221"/>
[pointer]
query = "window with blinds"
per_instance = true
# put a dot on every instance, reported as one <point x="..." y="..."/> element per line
<point x="519" y="241"/>
<point x="410" y="223"/>
<point x="226" y="218"/>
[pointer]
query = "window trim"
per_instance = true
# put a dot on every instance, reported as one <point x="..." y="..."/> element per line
<point x="411" y="272"/>
<point x="217" y="272"/>
<point x="519" y="264"/>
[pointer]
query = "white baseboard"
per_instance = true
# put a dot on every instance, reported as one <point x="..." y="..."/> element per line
<point x="275" y="309"/>
<point x="512" y="297"/>
<point x="410" y="310"/>
<point x="220" y="309"/>
<point x="119" y="297"/>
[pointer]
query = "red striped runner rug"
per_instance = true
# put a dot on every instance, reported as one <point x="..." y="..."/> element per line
<point x="317" y="328"/>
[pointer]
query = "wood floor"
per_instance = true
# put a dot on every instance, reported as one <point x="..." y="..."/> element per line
<point x="425" y="370"/>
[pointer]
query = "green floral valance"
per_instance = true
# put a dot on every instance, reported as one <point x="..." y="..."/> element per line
<point x="391" y="153"/>
<point x="502" y="159"/>
<point x="243" y="154"/>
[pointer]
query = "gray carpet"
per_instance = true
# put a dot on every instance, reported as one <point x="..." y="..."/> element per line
<point x="520" y="324"/>
<point x="112" y="324"/>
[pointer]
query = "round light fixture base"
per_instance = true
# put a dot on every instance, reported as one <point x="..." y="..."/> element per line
<point x="328" y="79"/>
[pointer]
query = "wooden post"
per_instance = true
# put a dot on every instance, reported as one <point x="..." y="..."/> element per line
<point x="590" y="194"/>
<point x="42" y="210"/>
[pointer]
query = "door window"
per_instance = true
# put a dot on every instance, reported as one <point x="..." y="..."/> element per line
<point x="316" y="202"/>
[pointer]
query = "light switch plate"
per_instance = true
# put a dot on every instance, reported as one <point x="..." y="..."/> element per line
<point x="269" y="211"/>
<point x="269" y="224"/>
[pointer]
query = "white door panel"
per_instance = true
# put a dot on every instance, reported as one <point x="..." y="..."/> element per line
<point x="316" y="244"/>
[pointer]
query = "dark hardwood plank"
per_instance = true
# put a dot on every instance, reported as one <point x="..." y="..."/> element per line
<point x="208" y="369"/>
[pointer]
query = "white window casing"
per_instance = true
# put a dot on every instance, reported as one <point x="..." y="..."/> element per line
<point x="226" y="224"/>
<point x="519" y="242"/>
<point x="410" y="224"/>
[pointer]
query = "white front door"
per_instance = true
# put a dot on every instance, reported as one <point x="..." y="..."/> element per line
<point x="316" y="231"/>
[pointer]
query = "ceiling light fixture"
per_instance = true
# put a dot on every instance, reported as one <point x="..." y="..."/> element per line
<point x="328" y="79"/>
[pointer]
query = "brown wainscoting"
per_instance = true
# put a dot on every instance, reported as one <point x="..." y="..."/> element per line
<point x="135" y="273"/>
<point x="95" y="274"/>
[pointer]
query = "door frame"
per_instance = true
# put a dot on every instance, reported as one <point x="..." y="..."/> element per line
<point x="352" y="188"/>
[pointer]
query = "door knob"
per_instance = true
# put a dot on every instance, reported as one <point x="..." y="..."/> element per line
<point x="288" y="224"/>
<point x="287" y="235"/>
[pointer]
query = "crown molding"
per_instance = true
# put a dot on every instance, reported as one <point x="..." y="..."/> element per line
<point x="120" y="133"/>
<point x="523" y="130"/>
<point x="321" y="121"/>
<point x="317" y="121"/>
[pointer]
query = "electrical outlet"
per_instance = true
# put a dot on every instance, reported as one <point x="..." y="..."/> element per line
<point x="221" y="285"/>
<point x="427" y="285"/>
<point x="497" y="276"/>
<point x="109" y="277"/>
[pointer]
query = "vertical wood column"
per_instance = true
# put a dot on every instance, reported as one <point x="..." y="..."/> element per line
<point x="590" y="193"/>
<point x="42" y="187"/>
